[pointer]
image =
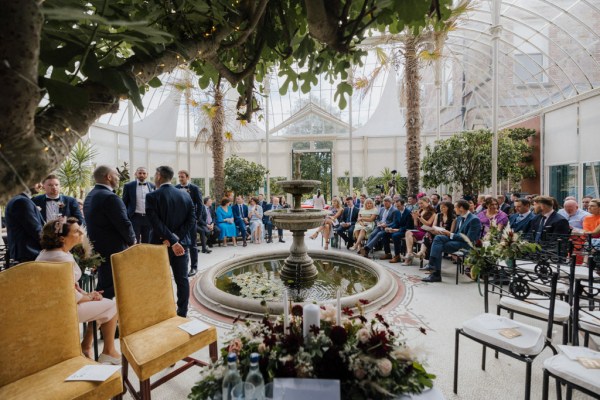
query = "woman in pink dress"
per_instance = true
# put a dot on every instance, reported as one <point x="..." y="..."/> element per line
<point x="58" y="238"/>
<point x="424" y="215"/>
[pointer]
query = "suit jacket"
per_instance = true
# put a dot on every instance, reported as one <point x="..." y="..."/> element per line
<point x="505" y="207"/>
<point x="202" y="221"/>
<point x="389" y="220"/>
<point x="523" y="225"/>
<point x="130" y="195"/>
<point x="555" y="224"/>
<point x="235" y="209"/>
<point x="108" y="225"/>
<point x="23" y="225"/>
<point x="196" y="195"/>
<point x="403" y="220"/>
<point x="470" y="227"/>
<point x="70" y="207"/>
<point x="346" y="215"/>
<point x="171" y="214"/>
<point x="267" y="207"/>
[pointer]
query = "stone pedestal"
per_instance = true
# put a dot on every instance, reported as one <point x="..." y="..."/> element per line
<point x="299" y="268"/>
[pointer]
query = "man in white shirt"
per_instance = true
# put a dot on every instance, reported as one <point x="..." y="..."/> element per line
<point x="573" y="214"/>
<point x="134" y="197"/>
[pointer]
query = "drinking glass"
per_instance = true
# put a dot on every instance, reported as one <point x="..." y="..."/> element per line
<point x="269" y="391"/>
<point x="243" y="391"/>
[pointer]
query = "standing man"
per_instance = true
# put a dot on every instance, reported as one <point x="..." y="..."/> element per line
<point x="348" y="220"/>
<point x="267" y="220"/>
<point x="134" y="197"/>
<point x="108" y="226"/>
<point x="240" y="216"/>
<point x="53" y="204"/>
<point x="24" y="224"/>
<point x="261" y="201"/>
<point x="172" y="217"/>
<point x="448" y="242"/>
<point x="196" y="195"/>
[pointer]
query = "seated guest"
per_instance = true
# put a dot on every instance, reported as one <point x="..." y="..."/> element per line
<point x="330" y="222"/>
<point x="209" y="231"/>
<point x="395" y="232"/>
<point x="547" y="219"/>
<point x="591" y="223"/>
<point x="284" y="204"/>
<point x="255" y="214"/>
<point x="411" y="204"/>
<point x="240" y="217"/>
<point x="480" y="203"/>
<point x="225" y="222"/>
<point x="448" y="242"/>
<point x="521" y="219"/>
<point x="268" y="223"/>
<point x="573" y="214"/>
<point x="444" y="219"/>
<point x="424" y="215"/>
<point x="503" y="205"/>
<point x="492" y="213"/>
<point x="347" y="222"/>
<point x="59" y="236"/>
<point x="365" y="223"/>
<point x="385" y="219"/>
<point x="585" y="202"/>
<point x="435" y="202"/>
<point x="447" y="197"/>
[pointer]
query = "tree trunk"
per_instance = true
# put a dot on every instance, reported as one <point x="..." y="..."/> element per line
<point x="218" y="145"/>
<point x="412" y="80"/>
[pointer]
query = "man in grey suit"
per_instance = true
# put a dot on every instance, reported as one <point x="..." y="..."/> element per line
<point x="448" y="242"/>
<point x="385" y="219"/>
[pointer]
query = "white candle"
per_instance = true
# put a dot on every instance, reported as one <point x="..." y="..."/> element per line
<point x="310" y="316"/>
<point x="338" y="319"/>
<point x="286" y="312"/>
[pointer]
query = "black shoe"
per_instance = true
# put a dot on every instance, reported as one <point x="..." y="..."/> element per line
<point x="269" y="241"/>
<point x="193" y="272"/>
<point x="245" y="244"/>
<point x="207" y="251"/>
<point x="281" y="240"/>
<point x="432" y="278"/>
<point x="210" y="246"/>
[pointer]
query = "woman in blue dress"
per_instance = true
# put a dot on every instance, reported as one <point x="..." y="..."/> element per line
<point x="225" y="222"/>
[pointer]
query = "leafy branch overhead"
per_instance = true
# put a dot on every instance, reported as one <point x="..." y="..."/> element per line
<point x="64" y="63"/>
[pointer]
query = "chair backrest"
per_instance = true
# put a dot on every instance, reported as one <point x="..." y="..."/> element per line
<point x="143" y="289"/>
<point x="38" y="319"/>
<point x="537" y="286"/>
<point x="586" y="300"/>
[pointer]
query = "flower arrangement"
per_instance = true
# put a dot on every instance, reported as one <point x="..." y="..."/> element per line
<point x="367" y="356"/>
<point x="85" y="255"/>
<point x="496" y="245"/>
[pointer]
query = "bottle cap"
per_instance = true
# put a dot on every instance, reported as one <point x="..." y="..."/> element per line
<point x="254" y="357"/>
<point x="231" y="357"/>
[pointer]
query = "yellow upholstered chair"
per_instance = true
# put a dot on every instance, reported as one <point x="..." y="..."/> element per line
<point x="39" y="337"/>
<point x="150" y="338"/>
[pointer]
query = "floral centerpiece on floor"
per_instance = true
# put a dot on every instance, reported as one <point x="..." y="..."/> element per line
<point x="497" y="245"/>
<point x="85" y="255"/>
<point x="368" y="357"/>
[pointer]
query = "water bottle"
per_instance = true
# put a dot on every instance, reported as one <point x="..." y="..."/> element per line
<point x="232" y="376"/>
<point x="255" y="377"/>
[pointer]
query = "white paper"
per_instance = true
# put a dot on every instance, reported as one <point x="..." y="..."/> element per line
<point x="302" y="389"/>
<point x="96" y="373"/>
<point x="500" y="323"/>
<point x="575" y="352"/>
<point x="194" y="327"/>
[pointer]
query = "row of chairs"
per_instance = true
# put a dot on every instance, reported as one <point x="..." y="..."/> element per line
<point x="39" y="335"/>
<point x="543" y="288"/>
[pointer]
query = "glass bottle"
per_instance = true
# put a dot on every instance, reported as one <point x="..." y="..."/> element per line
<point x="232" y="376"/>
<point x="255" y="377"/>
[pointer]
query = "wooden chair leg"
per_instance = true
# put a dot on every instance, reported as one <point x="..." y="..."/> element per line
<point x="145" y="389"/>
<point x="213" y="350"/>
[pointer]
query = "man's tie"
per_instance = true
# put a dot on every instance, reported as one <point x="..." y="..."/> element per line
<point x="49" y="199"/>
<point x="459" y="222"/>
<point x="240" y="207"/>
<point x="142" y="184"/>
<point x="540" y="230"/>
<point x="519" y="218"/>
<point x="184" y="187"/>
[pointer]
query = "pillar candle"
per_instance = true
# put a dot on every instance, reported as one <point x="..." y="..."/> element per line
<point x="338" y="320"/>
<point x="286" y="312"/>
<point x="311" y="316"/>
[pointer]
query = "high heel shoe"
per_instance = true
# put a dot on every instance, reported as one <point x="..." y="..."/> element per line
<point x="408" y="259"/>
<point x="326" y="246"/>
<point x="314" y="235"/>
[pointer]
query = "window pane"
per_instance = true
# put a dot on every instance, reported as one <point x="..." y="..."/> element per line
<point x="563" y="181"/>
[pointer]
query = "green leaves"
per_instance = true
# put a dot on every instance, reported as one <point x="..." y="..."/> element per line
<point x="242" y="176"/>
<point x="344" y="90"/>
<point x="65" y="95"/>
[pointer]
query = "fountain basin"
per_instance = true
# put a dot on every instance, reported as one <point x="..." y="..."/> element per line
<point x="297" y="220"/>
<point x="298" y="187"/>
<point x="207" y="293"/>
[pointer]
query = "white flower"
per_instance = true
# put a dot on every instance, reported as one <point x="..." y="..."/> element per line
<point x="363" y="335"/>
<point x="403" y="353"/>
<point x="329" y="314"/>
<point x="385" y="367"/>
<point x="486" y="243"/>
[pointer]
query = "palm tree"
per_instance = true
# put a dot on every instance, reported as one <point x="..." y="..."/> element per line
<point x="75" y="173"/>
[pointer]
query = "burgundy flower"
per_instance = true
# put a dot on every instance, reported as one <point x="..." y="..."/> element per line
<point x="332" y="366"/>
<point x="378" y="344"/>
<point x="347" y="311"/>
<point x="292" y="342"/>
<point x="338" y="335"/>
<point x="478" y="243"/>
<point x="270" y="341"/>
<point x="314" y="329"/>
<point x="297" y="310"/>
<point x="362" y="319"/>
<point x="286" y="370"/>
<point x="363" y="301"/>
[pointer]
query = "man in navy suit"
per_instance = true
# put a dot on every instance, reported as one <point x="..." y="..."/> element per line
<point x="108" y="226"/>
<point x="547" y="220"/>
<point x="196" y="195"/>
<point x="521" y="219"/>
<point x="274" y="205"/>
<point x="206" y="226"/>
<point x="53" y="204"/>
<point x="404" y="221"/>
<point x="134" y="197"/>
<point x="171" y="214"/>
<point x="446" y="242"/>
<point x="385" y="219"/>
<point x="347" y="222"/>
<point x="240" y="216"/>
<point x="24" y="224"/>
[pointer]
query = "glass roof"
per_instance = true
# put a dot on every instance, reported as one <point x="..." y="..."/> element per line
<point x="549" y="52"/>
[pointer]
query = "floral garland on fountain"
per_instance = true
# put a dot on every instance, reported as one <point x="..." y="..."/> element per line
<point x="368" y="357"/>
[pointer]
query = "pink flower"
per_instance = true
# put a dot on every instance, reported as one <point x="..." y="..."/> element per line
<point x="360" y="373"/>
<point x="262" y="348"/>
<point x="328" y="313"/>
<point x="363" y="335"/>
<point x="235" y="346"/>
<point x="384" y="366"/>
